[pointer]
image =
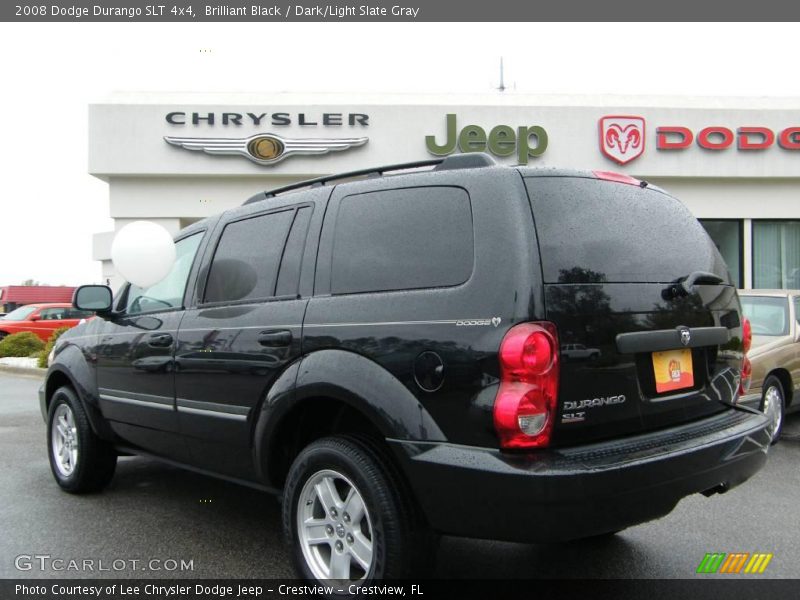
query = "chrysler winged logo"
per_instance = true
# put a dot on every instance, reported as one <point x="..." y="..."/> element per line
<point x="686" y="336"/>
<point x="622" y="137"/>
<point x="265" y="148"/>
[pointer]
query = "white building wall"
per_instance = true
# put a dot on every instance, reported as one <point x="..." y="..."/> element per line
<point x="150" y="179"/>
<point x="709" y="198"/>
<point x="184" y="197"/>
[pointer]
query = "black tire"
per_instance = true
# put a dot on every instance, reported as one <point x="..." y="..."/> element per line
<point x="2" y="334"/>
<point x="397" y="538"/>
<point x="95" y="459"/>
<point x="772" y="385"/>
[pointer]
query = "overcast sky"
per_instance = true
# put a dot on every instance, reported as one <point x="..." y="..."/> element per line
<point x="51" y="72"/>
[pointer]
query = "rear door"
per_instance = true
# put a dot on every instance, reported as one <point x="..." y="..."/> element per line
<point x="244" y="331"/>
<point x="629" y="271"/>
<point x="73" y="317"/>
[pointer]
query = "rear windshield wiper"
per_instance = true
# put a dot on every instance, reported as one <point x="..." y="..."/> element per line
<point x="686" y="285"/>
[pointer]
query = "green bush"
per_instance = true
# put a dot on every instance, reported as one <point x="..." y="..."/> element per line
<point x="20" y="344"/>
<point x="49" y="346"/>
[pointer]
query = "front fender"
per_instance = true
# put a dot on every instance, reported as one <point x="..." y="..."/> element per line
<point x="70" y="365"/>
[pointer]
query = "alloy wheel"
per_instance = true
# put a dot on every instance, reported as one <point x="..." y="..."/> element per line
<point x="64" y="435"/>
<point x="773" y="408"/>
<point x="334" y="528"/>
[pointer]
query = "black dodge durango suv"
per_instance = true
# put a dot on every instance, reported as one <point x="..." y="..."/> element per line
<point x="383" y="350"/>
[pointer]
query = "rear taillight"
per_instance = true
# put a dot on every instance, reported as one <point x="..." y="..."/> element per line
<point x="525" y="405"/>
<point x="747" y="335"/>
<point x="747" y="368"/>
<point x="747" y="372"/>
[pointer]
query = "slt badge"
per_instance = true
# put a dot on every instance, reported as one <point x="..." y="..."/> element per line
<point x="265" y="148"/>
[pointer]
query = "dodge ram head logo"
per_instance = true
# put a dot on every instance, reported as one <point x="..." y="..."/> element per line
<point x="622" y="137"/>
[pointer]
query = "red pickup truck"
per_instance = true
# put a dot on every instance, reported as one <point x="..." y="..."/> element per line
<point x="41" y="319"/>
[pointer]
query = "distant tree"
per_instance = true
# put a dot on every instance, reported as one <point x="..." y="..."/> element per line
<point x="30" y="282"/>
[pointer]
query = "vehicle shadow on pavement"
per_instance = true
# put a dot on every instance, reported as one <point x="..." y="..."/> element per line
<point x="232" y="530"/>
<point x="459" y="558"/>
<point x="232" y="525"/>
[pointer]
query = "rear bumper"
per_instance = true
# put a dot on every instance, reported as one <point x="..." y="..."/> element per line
<point x="564" y="494"/>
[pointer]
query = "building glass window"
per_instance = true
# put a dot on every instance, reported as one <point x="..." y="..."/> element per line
<point x="727" y="237"/>
<point x="776" y="254"/>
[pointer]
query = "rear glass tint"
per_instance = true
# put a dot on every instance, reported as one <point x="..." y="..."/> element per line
<point x="245" y="265"/>
<point x="402" y="239"/>
<point x="594" y="231"/>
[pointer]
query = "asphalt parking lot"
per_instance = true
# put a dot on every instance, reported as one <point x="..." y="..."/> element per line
<point x="153" y="511"/>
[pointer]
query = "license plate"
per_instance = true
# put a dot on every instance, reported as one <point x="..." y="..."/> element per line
<point x="673" y="370"/>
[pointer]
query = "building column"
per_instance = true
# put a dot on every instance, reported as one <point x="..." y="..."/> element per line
<point x="747" y="253"/>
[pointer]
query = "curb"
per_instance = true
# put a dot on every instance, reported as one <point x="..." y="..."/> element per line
<point x="34" y="372"/>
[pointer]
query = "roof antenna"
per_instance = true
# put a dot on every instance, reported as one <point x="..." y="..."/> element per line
<point x="502" y="87"/>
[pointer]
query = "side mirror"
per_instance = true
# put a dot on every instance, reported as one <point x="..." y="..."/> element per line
<point x="35" y="318"/>
<point x="96" y="298"/>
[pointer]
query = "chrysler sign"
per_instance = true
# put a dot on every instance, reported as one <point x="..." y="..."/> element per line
<point x="266" y="148"/>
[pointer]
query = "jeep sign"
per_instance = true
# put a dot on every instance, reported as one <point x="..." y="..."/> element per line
<point x="527" y="141"/>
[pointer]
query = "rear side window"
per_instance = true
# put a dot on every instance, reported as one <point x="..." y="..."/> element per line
<point x="246" y="261"/>
<point x="593" y="231"/>
<point x="402" y="239"/>
<point x="52" y="314"/>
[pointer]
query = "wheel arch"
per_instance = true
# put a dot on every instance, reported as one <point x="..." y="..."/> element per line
<point x="72" y="369"/>
<point x="336" y="391"/>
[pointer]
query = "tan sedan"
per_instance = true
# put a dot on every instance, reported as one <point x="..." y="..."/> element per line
<point x="775" y="353"/>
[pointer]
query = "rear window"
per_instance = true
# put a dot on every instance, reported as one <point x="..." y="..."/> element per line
<point x="402" y="239"/>
<point x="768" y="315"/>
<point x="591" y="230"/>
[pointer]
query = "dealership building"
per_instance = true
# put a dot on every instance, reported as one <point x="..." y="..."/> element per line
<point x="735" y="162"/>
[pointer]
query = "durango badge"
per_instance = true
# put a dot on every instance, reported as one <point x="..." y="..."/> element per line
<point x="265" y="148"/>
<point x="622" y="137"/>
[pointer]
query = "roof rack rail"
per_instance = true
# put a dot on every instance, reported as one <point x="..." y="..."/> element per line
<point x="457" y="161"/>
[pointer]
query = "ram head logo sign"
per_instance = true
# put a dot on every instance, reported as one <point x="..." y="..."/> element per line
<point x="622" y="137"/>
